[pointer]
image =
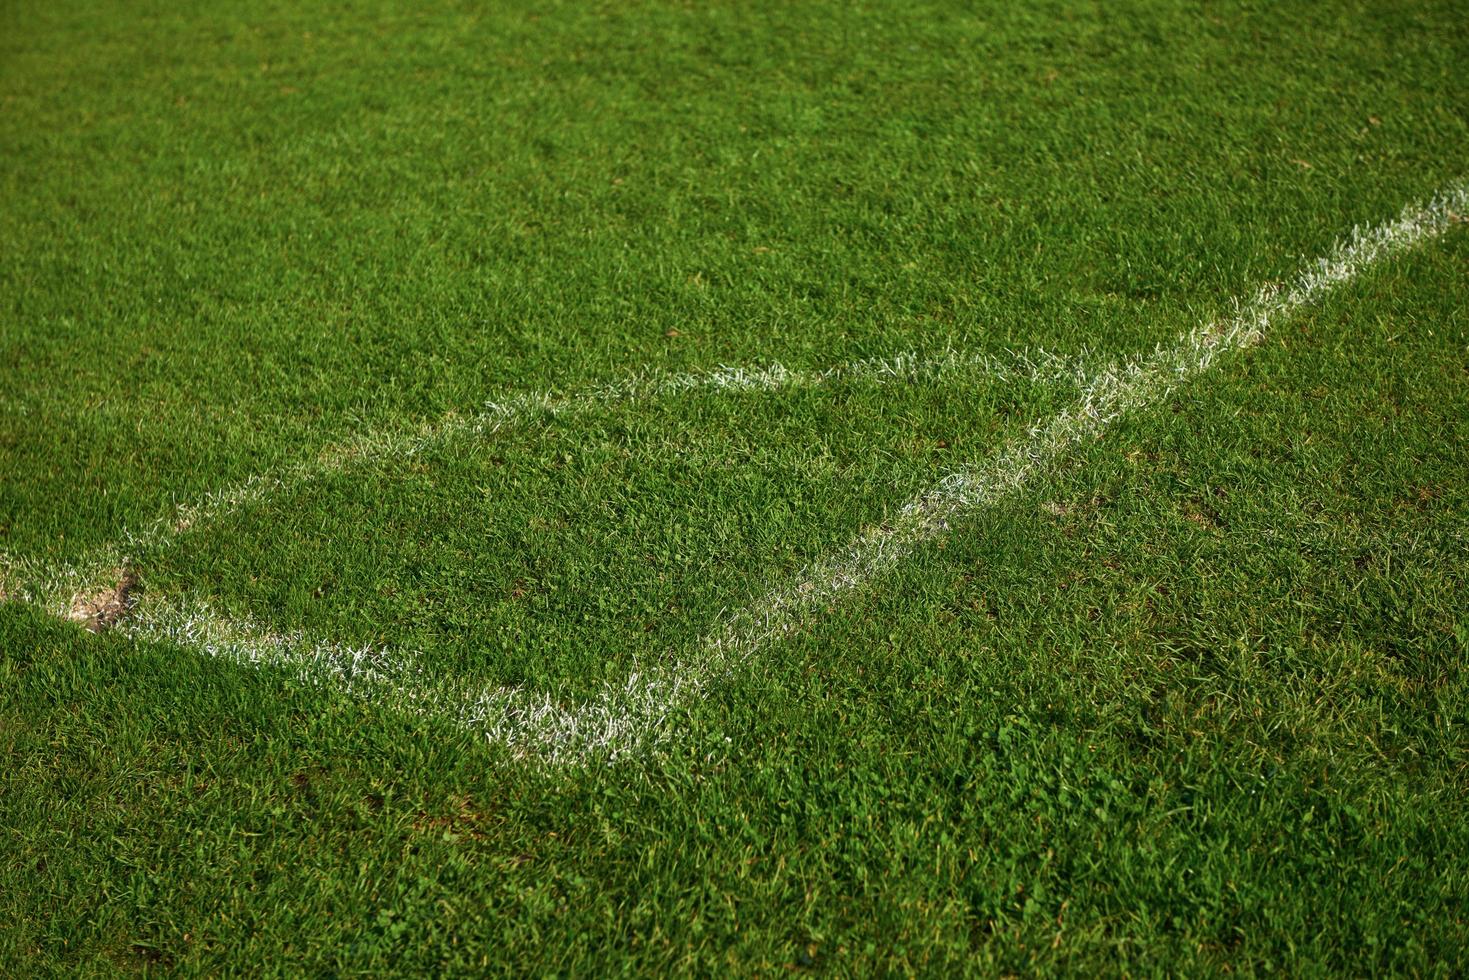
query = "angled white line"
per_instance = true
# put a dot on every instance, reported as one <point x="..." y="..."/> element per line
<point x="54" y="586"/>
<point x="639" y="710"/>
<point x="497" y="415"/>
<point x="1037" y="365"/>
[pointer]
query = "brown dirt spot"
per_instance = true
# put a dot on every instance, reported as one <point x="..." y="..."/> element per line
<point x="105" y="608"/>
<point x="463" y="821"/>
<point x="1195" y="514"/>
<point x="151" y="955"/>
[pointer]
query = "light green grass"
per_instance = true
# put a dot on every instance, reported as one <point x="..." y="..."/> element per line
<point x="1193" y="701"/>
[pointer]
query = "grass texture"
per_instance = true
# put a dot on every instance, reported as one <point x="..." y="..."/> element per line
<point x="1192" y="699"/>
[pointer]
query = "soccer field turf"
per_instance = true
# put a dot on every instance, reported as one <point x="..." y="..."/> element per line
<point x="653" y="487"/>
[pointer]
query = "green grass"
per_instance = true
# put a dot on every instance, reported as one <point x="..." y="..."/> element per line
<point x="1194" y="700"/>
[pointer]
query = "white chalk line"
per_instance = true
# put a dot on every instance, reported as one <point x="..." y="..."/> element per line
<point x="496" y="415"/>
<point x="638" y="711"/>
<point x="1009" y="366"/>
<point x="52" y="585"/>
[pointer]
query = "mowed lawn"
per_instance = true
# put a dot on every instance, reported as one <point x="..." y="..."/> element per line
<point x="539" y="343"/>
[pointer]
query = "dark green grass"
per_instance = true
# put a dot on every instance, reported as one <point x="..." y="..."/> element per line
<point x="1195" y="701"/>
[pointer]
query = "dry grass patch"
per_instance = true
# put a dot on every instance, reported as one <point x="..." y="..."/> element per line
<point x="105" y="608"/>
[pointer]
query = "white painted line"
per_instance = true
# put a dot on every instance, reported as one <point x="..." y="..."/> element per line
<point x="53" y="586"/>
<point x="496" y="415"/>
<point x="638" y="711"/>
